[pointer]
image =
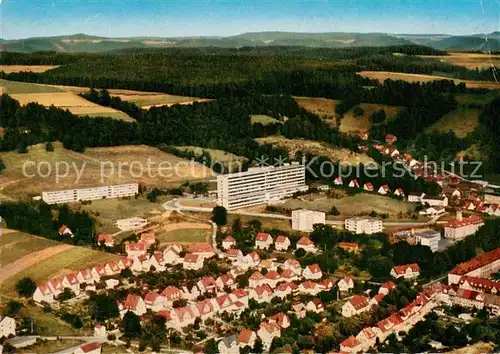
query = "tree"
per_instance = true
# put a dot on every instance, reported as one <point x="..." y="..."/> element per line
<point x="300" y="253"/>
<point x="102" y="307"/>
<point x="2" y="166"/>
<point x="334" y="211"/>
<point x="66" y="295"/>
<point x="26" y="287"/>
<point x="12" y="307"/>
<point x="131" y="325"/>
<point x="49" y="147"/>
<point x="373" y="213"/>
<point x="126" y="273"/>
<point x="211" y="347"/>
<point x="219" y="215"/>
<point x="358" y="111"/>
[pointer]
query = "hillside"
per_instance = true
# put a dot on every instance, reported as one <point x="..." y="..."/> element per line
<point x="85" y="43"/>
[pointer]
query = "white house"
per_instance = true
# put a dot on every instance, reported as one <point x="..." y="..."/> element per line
<point x="263" y="240"/>
<point x="407" y="271"/>
<point x="345" y="284"/>
<point x="133" y="303"/>
<point x="154" y="301"/>
<point x="460" y="227"/>
<point x="315" y="305"/>
<point x="250" y="260"/>
<point x="312" y="272"/>
<point x="434" y="200"/>
<point x="7" y="326"/>
<point x="304" y="220"/>
<point x="226" y="281"/>
<point x="281" y="320"/>
<point x="282" y="243"/>
<point x="433" y="211"/>
<point x="368" y="187"/>
<point x="338" y="181"/>
<point x="229" y="345"/>
<point x="133" y="223"/>
<point x="306" y="244"/>
<point x="386" y="287"/>
<point x="171" y="294"/>
<point x="136" y="249"/>
<point x="247" y="338"/>
<point x="384" y="189"/>
<point x="267" y="332"/>
<point x="207" y="285"/>
<point x="192" y="261"/>
<point x="256" y="279"/>
<point x="100" y="331"/>
<point x="354" y="184"/>
<point x="228" y="242"/>
<point x="105" y="239"/>
<point x="355" y="305"/>
<point x="43" y="293"/>
<point x="293" y="265"/>
<point x="399" y="192"/>
<point x="262" y="293"/>
<point x="309" y="288"/>
<point x="234" y="255"/>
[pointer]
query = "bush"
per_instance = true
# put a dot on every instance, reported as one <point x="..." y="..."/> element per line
<point x="49" y="147"/>
<point x="334" y="211"/>
<point x="358" y="111"/>
<point x="12" y="307"/>
<point x="300" y="253"/>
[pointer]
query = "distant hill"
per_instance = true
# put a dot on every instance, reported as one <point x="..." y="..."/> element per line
<point x="84" y="43"/>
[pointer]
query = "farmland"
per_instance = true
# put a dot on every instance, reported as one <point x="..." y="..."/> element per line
<point x="359" y="204"/>
<point x="16" y="244"/>
<point x="216" y="155"/>
<point x="342" y="155"/>
<point x="185" y="235"/>
<point x="469" y="60"/>
<point x="263" y="119"/>
<point x="350" y="123"/>
<point x="381" y="76"/>
<point x="101" y="166"/>
<point x="31" y="68"/>
<point x="462" y="121"/>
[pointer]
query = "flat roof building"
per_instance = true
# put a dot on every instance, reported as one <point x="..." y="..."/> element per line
<point x="303" y="219"/>
<point x="260" y="185"/>
<point x="91" y="193"/>
<point x="429" y="238"/>
<point x="363" y="225"/>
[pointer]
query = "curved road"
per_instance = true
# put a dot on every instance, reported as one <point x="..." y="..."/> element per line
<point x="176" y="205"/>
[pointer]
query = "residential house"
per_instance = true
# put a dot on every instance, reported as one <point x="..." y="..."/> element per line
<point x="111" y="283"/>
<point x="154" y="301"/>
<point x="281" y="319"/>
<point x="390" y="139"/>
<point x="239" y="295"/>
<point x="148" y="238"/>
<point x="263" y="240"/>
<point x="351" y="345"/>
<point x="354" y="184"/>
<point x="204" y="309"/>
<point x="309" y="288"/>
<point x="267" y="332"/>
<point x="345" y="284"/>
<point x="282" y="243"/>
<point x="315" y="305"/>
<point x="226" y="281"/>
<point x="363" y="136"/>
<point x="100" y="331"/>
<point x="136" y="249"/>
<point x="228" y="242"/>
<point x="65" y="231"/>
<point x="157" y="261"/>
<point x="313" y="272"/>
<point x="203" y="250"/>
<point x="433" y="211"/>
<point x="434" y="200"/>
<point x="368" y="187"/>
<point x="299" y="310"/>
<point x="85" y="276"/>
<point x="140" y="264"/>
<point x="222" y="303"/>
<point x="251" y="260"/>
<point x="284" y="289"/>
<point x="326" y="284"/>
<point x="262" y="293"/>
<point x="247" y="338"/>
<point x="384" y="189"/>
<point x="88" y="348"/>
<point x="229" y="345"/>
<point x="338" y="181"/>
<point x="415" y="197"/>
<point x="256" y="279"/>
<point x="481" y="266"/>
<point x="135" y="304"/>
<point x="234" y="255"/>
<point x="105" y="239"/>
<point x="386" y="287"/>
<point x="377" y="299"/>
<point x="171" y="256"/>
<point x="71" y="281"/>
<point x="192" y="261"/>
<point x="98" y="271"/>
<point x="171" y="294"/>
<point x="181" y="317"/>
<point x="190" y="292"/>
<point x="407" y="271"/>
<point x="207" y="285"/>
<point x="460" y="227"/>
<point x="7" y="326"/>
<point x="293" y="265"/>
<point x="56" y="286"/>
<point x="112" y="268"/>
<point x="268" y="264"/>
<point x="288" y="275"/>
<point x="399" y="192"/>
<point x="272" y="278"/>
<point x="349" y="246"/>
<point x="306" y="244"/>
<point x="355" y="305"/>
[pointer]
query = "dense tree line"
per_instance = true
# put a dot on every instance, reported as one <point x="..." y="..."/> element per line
<point x="490" y="134"/>
<point x="45" y="220"/>
<point x="103" y="98"/>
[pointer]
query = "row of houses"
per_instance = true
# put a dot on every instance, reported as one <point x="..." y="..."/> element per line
<point x="383" y="190"/>
<point x="358" y="304"/>
<point x="264" y="241"/>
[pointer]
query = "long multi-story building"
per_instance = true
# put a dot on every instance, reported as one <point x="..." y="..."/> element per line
<point x="91" y="193"/>
<point x="363" y="225"/>
<point x="459" y="228"/>
<point x="260" y="185"/>
<point x="481" y="267"/>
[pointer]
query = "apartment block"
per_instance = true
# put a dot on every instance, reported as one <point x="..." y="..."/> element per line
<point x="303" y="219"/>
<point x="91" y="193"/>
<point x="363" y="225"/>
<point x="260" y="185"/>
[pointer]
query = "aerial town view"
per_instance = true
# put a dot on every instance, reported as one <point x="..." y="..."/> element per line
<point x="248" y="176"/>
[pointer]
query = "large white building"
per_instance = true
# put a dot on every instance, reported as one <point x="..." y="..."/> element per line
<point x="260" y="185"/>
<point x="429" y="238"/>
<point x="303" y="219"/>
<point x="363" y="225"/>
<point x="459" y="228"/>
<point x="91" y="193"/>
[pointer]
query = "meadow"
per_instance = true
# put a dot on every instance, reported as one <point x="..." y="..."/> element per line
<point x="26" y="68"/>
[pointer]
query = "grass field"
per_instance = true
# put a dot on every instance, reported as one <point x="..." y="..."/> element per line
<point x="469" y="60"/>
<point x="263" y="119"/>
<point x="464" y="99"/>
<point x="216" y="155"/>
<point x="358" y="204"/>
<point x="384" y="75"/>
<point x="462" y="121"/>
<point x="342" y="155"/>
<point x="350" y="123"/>
<point x="14" y="245"/>
<point x="31" y="68"/>
<point x="101" y="166"/>
<point x="52" y="346"/>
<point x="14" y="87"/>
<point x="70" y="260"/>
<point x="184" y="236"/>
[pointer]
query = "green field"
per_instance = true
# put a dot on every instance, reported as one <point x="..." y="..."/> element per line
<point x="14" y="245"/>
<point x="358" y="204"/>
<point x="462" y="121"/>
<point x="13" y="87"/>
<point x="53" y="346"/>
<point x="476" y="98"/>
<point x="69" y="260"/>
<point x="115" y="115"/>
<point x="216" y="155"/>
<point x="263" y="119"/>
<point x="184" y="236"/>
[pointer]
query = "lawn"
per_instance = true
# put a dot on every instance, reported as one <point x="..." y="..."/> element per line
<point x="14" y="87"/>
<point x="52" y="346"/>
<point x="462" y="121"/>
<point x="221" y="156"/>
<point x="14" y="245"/>
<point x="359" y="204"/>
<point x="73" y="259"/>
<point x="184" y="236"/>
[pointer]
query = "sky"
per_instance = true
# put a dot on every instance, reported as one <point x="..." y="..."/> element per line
<point x="177" y="18"/>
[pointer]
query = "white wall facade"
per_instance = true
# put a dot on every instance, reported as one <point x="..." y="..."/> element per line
<point x="303" y="219"/>
<point x="92" y="193"/>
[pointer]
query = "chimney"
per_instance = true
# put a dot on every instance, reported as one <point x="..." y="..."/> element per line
<point x="459" y="215"/>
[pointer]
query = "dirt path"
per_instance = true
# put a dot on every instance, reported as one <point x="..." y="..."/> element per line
<point x="29" y="260"/>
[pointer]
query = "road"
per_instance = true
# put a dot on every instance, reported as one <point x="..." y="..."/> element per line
<point x="176" y="205"/>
